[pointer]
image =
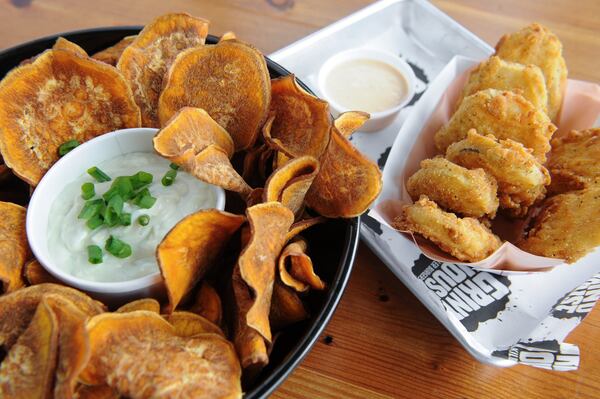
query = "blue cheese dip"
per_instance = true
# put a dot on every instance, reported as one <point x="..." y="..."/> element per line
<point x="69" y="237"/>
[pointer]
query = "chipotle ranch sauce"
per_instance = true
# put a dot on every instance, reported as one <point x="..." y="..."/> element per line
<point x="366" y="85"/>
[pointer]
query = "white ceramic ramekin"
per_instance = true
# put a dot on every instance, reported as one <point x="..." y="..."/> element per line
<point x="69" y="168"/>
<point x="378" y="120"/>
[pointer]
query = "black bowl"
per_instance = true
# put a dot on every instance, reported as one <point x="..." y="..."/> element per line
<point x="332" y="244"/>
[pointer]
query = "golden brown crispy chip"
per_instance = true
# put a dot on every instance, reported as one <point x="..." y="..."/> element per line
<point x="567" y="227"/>
<point x="35" y="273"/>
<point x="111" y="55"/>
<point x="286" y="307"/>
<point x="349" y="122"/>
<point x="495" y="73"/>
<point x="140" y="355"/>
<point x="146" y="60"/>
<point x="14" y="249"/>
<point x="536" y="45"/>
<point x="503" y="114"/>
<point x="64" y="44"/>
<point x="290" y="182"/>
<point x="228" y="36"/>
<point x="59" y="97"/>
<point x="190" y="248"/>
<point x="191" y="129"/>
<point x="296" y="268"/>
<point x="251" y="347"/>
<point x="193" y="140"/>
<point x="208" y="304"/>
<point x="73" y="345"/>
<point x="300" y="122"/>
<point x="149" y="304"/>
<point x="17" y="308"/>
<point x="467" y="239"/>
<point x="347" y="183"/>
<point x="28" y="369"/>
<point x="255" y="197"/>
<point x="574" y="160"/>
<point x="95" y="392"/>
<point x="229" y="80"/>
<point x="280" y="159"/>
<point x="269" y="223"/>
<point x="302" y="225"/>
<point x="189" y="324"/>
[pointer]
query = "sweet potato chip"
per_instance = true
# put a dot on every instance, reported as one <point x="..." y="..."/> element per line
<point x="255" y="197"/>
<point x="191" y="128"/>
<point x="59" y="97"/>
<point x="35" y="273"/>
<point x="228" y="36"/>
<point x="187" y="324"/>
<point x="17" y="308"/>
<point x="208" y="304"/>
<point x="64" y="44"/>
<point x="14" y="249"/>
<point x="280" y="159"/>
<point x="290" y="182"/>
<point x="73" y="345"/>
<point x="28" y="369"/>
<point x="149" y="304"/>
<point x="302" y="225"/>
<point x="140" y="355"/>
<point x="249" y="344"/>
<point x="347" y="183"/>
<point x="301" y="121"/>
<point x="111" y="55"/>
<point x="189" y="249"/>
<point x="212" y="165"/>
<point x="296" y="268"/>
<point x="286" y="307"/>
<point x="95" y="392"/>
<point x="229" y="80"/>
<point x="349" y="122"/>
<point x="146" y="60"/>
<point x="269" y="223"/>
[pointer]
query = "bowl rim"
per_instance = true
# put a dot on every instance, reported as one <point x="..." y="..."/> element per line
<point x="384" y="56"/>
<point x="34" y="234"/>
<point x="320" y="319"/>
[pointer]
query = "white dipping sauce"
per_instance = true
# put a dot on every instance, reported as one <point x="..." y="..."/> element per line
<point x="69" y="237"/>
<point x="366" y="85"/>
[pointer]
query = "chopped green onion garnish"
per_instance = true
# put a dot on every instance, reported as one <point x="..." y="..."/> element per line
<point x="90" y="209"/>
<point x="95" y="222"/>
<point x="94" y="254"/>
<point x="67" y="146"/>
<point x="116" y="203"/>
<point x="117" y="247"/>
<point x="125" y="219"/>
<point x="144" y="220"/>
<point x="87" y="191"/>
<point x="98" y="174"/>
<point x="169" y="177"/>
<point x="122" y="186"/>
<point x="141" y="179"/>
<point x="144" y="199"/>
<point x="174" y="166"/>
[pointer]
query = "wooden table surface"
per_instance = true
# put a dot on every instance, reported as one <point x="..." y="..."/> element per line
<point x="381" y="341"/>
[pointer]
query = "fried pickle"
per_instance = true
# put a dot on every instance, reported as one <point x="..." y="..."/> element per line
<point x="505" y="115"/>
<point x="466" y="239"/>
<point x="573" y="161"/>
<point x="536" y="45"/>
<point x="468" y="192"/>
<point x="568" y="226"/>
<point x="495" y="73"/>
<point x="521" y="178"/>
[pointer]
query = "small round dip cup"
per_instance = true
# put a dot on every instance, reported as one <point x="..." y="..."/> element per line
<point x="68" y="169"/>
<point x="378" y="120"/>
